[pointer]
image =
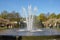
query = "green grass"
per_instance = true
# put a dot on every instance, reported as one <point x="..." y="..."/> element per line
<point x="40" y="37"/>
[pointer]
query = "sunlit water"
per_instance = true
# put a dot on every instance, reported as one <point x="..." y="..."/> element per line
<point x="16" y="32"/>
<point x="30" y="30"/>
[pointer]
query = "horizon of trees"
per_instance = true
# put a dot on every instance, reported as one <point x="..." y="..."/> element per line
<point x="43" y="17"/>
<point x="12" y="16"/>
<point x="15" y="16"/>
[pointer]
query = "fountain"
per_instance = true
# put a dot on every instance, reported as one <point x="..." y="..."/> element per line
<point x="29" y="15"/>
<point x="30" y="31"/>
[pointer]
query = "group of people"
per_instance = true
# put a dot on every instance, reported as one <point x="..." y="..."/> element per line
<point x="55" y="25"/>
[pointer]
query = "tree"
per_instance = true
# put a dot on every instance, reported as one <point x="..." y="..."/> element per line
<point x="4" y="14"/>
<point x="14" y="16"/>
<point x="42" y="17"/>
<point x="58" y="16"/>
<point x="17" y="18"/>
<point x="53" y="15"/>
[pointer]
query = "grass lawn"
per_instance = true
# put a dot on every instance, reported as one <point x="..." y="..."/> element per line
<point x="40" y="37"/>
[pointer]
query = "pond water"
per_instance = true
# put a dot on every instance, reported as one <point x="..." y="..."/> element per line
<point x="15" y="32"/>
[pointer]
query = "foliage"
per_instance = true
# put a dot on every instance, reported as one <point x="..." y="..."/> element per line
<point x="58" y="16"/>
<point x="13" y="16"/>
<point x="4" y="14"/>
<point x="42" y="17"/>
<point x="52" y="15"/>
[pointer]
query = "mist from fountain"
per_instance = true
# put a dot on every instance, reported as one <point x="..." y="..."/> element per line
<point x="29" y="18"/>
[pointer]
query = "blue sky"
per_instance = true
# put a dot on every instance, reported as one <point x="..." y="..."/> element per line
<point x="44" y="6"/>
